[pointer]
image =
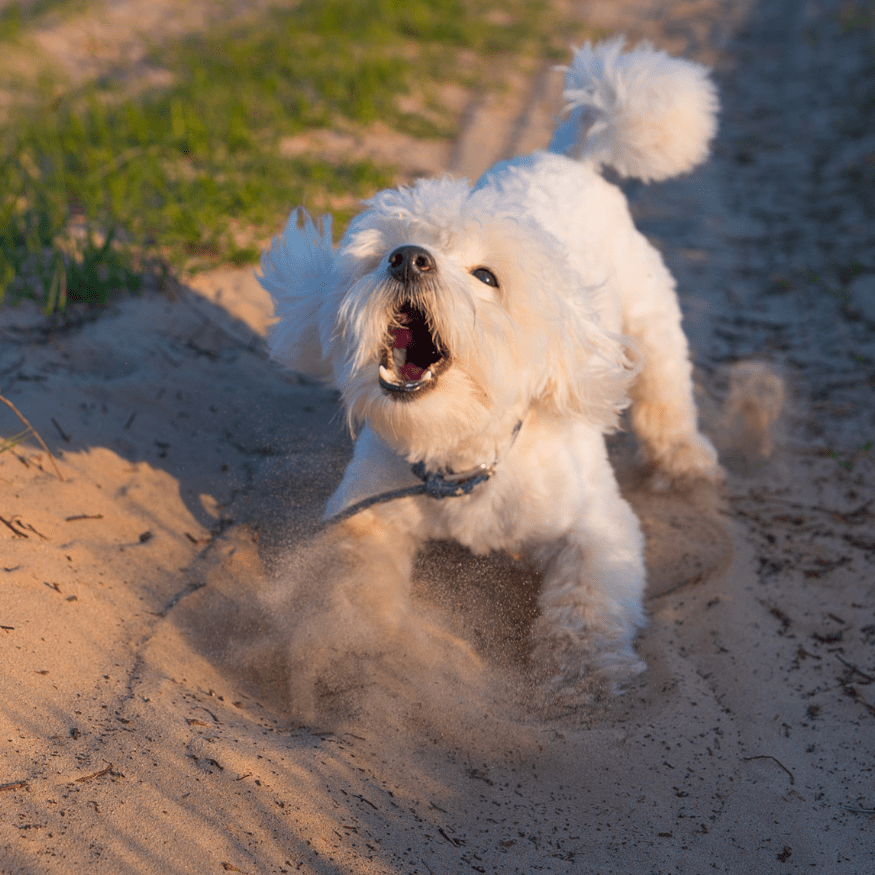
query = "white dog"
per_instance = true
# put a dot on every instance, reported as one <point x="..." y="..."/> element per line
<point x="485" y="339"/>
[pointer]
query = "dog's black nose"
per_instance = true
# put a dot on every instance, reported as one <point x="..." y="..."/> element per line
<point x="409" y="263"/>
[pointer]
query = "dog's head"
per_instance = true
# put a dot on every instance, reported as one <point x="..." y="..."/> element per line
<point x="444" y="316"/>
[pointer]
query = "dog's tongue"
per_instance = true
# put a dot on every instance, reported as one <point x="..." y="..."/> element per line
<point x="410" y="372"/>
<point x="401" y="338"/>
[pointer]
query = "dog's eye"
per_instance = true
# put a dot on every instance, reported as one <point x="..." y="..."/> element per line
<point x="485" y="276"/>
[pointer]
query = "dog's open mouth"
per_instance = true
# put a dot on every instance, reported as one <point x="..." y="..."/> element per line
<point x="414" y="355"/>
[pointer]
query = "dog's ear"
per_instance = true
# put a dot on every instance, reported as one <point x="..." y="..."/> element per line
<point x="563" y="354"/>
<point x="298" y="271"/>
<point x="573" y="365"/>
<point x="589" y="371"/>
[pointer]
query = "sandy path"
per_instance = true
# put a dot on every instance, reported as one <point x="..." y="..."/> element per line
<point x="144" y="681"/>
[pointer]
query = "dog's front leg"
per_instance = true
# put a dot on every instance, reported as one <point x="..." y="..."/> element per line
<point x="351" y="602"/>
<point x="591" y="601"/>
<point x="375" y="548"/>
<point x="376" y="554"/>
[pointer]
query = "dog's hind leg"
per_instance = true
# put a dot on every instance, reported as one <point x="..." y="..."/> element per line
<point x="591" y="600"/>
<point x="663" y="411"/>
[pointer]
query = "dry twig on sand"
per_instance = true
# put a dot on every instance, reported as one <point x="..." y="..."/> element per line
<point x="767" y="756"/>
<point x="34" y="432"/>
<point x="99" y="774"/>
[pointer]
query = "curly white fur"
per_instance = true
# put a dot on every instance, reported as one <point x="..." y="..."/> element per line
<point x="538" y="302"/>
<point x="643" y="113"/>
<point x="305" y="253"/>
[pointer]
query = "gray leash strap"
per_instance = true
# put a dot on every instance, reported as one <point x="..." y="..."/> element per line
<point x="434" y="485"/>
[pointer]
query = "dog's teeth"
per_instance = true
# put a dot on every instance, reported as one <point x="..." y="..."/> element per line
<point x="387" y="375"/>
<point x="427" y="375"/>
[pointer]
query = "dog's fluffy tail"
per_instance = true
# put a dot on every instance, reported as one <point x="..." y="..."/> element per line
<point x="643" y="113"/>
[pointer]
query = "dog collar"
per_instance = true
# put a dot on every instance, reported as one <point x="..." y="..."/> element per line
<point x="435" y="484"/>
<point x="450" y="484"/>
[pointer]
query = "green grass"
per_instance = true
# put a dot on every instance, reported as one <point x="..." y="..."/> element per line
<point x="97" y="187"/>
<point x="12" y="442"/>
<point x="15" y="17"/>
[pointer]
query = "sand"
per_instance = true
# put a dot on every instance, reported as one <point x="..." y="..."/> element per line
<point x="147" y="716"/>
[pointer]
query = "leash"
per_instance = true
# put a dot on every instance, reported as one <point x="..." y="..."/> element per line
<point x="435" y="484"/>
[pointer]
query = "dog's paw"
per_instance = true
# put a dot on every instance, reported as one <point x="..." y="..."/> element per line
<point x="575" y="669"/>
<point x="684" y="463"/>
